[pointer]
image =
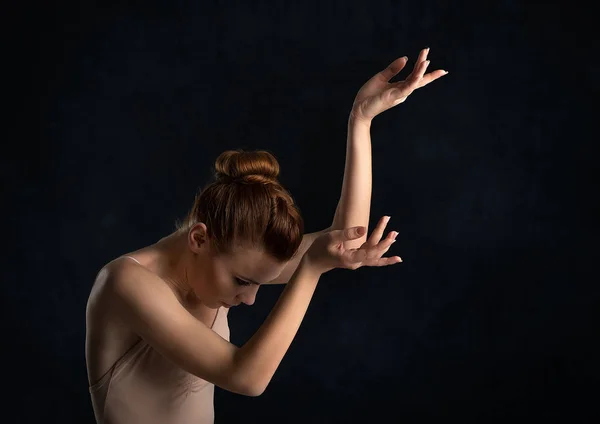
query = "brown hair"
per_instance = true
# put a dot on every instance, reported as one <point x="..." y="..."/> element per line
<point x="246" y="204"/>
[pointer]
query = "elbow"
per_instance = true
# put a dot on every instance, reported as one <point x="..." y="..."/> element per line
<point x="243" y="389"/>
<point x="246" y="387"/>
<point x="256" y="391"/>
<point x="248" y="383"/>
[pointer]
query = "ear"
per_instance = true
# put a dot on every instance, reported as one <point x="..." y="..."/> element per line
<point x="197" y="237"/>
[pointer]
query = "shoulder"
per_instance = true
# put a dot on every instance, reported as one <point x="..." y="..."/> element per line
<point x="115" y="273"/>
<point x="123" y="279"/>
<point x="109" y="333"/>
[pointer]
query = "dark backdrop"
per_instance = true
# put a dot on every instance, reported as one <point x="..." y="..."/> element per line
<point x="486" y="174"/>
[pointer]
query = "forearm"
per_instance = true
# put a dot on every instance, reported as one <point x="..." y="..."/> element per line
<point x="258" y="359"/>
<point x="354" y="204"/>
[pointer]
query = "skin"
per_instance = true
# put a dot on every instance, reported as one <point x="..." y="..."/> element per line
<point x="201" y="280"/>
<point x="185" y="265"/>
<point x="378" y="95"/>
<point x="198" y="276"/>
<point x="186" y="262"/>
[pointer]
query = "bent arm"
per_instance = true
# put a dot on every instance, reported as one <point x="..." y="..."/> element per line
<point x="260" y="357"/>
<point x="355" y="201"/>
<point x="145" y="304"/>
<point x="151" y="310"/>
<point x="354" y="204"/>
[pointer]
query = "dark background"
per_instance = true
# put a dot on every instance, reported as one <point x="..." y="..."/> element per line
<point x="487" y="174"/>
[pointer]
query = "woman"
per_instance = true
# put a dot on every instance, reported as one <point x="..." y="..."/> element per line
<point x="157" y="337"/>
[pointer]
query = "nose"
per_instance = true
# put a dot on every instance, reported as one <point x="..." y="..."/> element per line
<point x="249" y="296"/>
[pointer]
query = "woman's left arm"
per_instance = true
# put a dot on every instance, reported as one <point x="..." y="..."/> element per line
<point x="375" y="96"/>
<point x="355" y="201"/>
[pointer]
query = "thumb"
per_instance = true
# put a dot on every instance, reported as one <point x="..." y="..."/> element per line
<point x="353" y="233"/>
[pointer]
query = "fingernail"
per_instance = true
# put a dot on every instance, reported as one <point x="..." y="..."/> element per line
<point x="393" y="241"/>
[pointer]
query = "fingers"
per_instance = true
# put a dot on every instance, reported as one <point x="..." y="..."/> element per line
<point x="383" y="246"/>
<point x="353" y="258"/>
<point x="432" y="76"/>
<point x="378" y="231"/>
<point x="387" y="242"/>
<point x="423" y="68"/>
<point x="422" y="56"/>
<point x="388" y="261"/>
<point x="421" y="79"/>
<point x="417" y="77"/>
<point x="393" y="68"/>
<point x="371" y="254"/>
<point x="374" y="254"/>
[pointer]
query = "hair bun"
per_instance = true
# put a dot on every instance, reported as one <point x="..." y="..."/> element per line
<point x="246" y="166"/>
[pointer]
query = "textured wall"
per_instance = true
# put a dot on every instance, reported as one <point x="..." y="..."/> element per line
<point x="486" y="174"/>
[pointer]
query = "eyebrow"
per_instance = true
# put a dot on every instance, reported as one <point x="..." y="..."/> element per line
<point x="248" y="279"/>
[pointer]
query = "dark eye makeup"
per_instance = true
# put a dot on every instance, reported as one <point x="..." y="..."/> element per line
<point x="241" y="282"/>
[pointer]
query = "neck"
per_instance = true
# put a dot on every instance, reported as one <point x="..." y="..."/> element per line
<point x="174" y="263"/>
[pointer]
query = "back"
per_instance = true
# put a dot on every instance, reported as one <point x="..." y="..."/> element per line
<point x="140" y="384"/>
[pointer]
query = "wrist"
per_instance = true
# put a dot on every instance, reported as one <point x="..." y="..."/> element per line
<point x="356" y="120"/>
<point x="310" y="267"/>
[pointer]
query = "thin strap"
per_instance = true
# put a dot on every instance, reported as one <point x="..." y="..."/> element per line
<point x="215" y="320"/>
<point x="131" y="257"/>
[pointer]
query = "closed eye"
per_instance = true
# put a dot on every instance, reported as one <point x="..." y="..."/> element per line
<point x="242" y="282"/>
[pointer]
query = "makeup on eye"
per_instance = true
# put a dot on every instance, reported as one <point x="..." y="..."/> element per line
<point x="245" y="281"/>
<point x="242" y="282"/>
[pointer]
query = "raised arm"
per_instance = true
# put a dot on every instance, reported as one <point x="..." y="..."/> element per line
<point x="354" y="204"/>
<point x="375" y="96"/>
<point x="355" y="201"/>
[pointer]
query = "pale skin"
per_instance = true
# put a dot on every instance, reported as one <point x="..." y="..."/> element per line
<point x="378" y="94"/>
<point x="180" y="276"/>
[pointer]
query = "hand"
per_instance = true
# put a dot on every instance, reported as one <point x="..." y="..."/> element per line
<point x="327" y="251"/>
<point x="377" y="95"/>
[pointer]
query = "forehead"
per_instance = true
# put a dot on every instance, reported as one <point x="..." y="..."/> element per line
<point x="255" y="264"/>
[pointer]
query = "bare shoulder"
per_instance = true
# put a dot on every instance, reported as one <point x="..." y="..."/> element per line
<point x="111" y="276"/>
<point x="108" y="336"/>
<point x="124" y="278"/>
<point x="145" y="306"/>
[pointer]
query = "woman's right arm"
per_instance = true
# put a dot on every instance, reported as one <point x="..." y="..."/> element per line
<point x="260" y="357"/>
<point x="152" y="311"/>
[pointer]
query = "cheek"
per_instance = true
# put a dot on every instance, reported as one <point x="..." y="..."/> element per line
<point x="236" y="289"/>
<point x="210" y="280"/>
<point x="224" y="284"/>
